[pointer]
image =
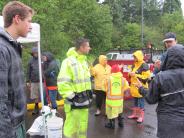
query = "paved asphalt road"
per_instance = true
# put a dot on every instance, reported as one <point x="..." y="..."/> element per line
<point x="131" y="129"/>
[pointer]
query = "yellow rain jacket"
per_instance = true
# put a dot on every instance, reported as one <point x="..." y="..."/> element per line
<point x="100" y="72"/>
<point x="142" y="72"/>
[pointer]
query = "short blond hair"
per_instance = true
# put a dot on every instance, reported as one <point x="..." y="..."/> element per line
<point x="13" y="8"/>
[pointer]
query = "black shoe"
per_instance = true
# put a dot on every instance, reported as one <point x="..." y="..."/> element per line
<point x="36" y="110"/>
<point x="120" y="124"/>
<point x="120" y="121"/>
<point x="110" y="124"/>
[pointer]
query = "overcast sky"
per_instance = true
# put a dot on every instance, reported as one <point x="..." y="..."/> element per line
<point x="182" y="5"/>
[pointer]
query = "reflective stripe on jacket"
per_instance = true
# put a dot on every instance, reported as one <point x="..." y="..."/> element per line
<point x="74" y="75"/>
<point x="115" y="87"/>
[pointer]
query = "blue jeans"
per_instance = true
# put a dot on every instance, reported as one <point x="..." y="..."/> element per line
<point x="52" y="96"/>
<point x="139" y="102"/>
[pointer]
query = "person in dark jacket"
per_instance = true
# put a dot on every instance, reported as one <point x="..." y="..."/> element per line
<point x="33" y="81"/>
<point x="17" y="22"/>
<point x="169" y="41"/>
<point x="167" y="89"/>
<point x="51" y="70"/>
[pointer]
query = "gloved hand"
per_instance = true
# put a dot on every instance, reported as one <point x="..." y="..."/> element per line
<point x="71" y="96"/>
<point x="52" y="74"/>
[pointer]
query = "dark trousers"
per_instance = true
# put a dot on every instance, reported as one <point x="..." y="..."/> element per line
<point x="100" y="98"/>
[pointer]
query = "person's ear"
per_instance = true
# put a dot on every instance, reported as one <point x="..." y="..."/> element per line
<point x="16" y="19"/>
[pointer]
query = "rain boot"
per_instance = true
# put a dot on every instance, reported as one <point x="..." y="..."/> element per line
<point x="36" y="109"/>
<point x="134" y="113"/>
<point x="141" y="116"/>
<point x="110" y="124"/>
<point x="120" y="120"/>
<point x="113" y="123"/>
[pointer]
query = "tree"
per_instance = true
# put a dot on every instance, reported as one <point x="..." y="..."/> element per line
<point x="171" y="6"/>
<point x="153" y="35"/>
<point x="116" y="11"/>
<point x="87" y="19"/>
<point x="179" y="29"/>
<point x="169" y="21"/>
<point x="131" y="36"/>
<point x="152" y="12"/>
<point x="63" y="21"/>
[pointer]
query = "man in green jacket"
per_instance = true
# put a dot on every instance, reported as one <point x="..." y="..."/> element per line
<point x="75" y="87"/>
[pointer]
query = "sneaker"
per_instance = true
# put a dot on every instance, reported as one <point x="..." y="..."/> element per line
<point x="97" y="113"/>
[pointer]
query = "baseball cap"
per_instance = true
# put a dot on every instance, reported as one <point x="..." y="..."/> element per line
<point x="170" y="36"/>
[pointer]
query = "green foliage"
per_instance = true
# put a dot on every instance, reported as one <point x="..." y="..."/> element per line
<point x="169" y="21"/>
<point x="171" y="6"/>
<point x="152" y="12"/>
<point x="90" y="20"/>
<point x="109" y="25"/>
<point x="154" y="36"/>
<point x="131" y="36"/>
<point x="179" y="30"/>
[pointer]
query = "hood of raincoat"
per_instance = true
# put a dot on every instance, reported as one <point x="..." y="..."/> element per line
<point x="103" y="60"/>
<point x="174" y="58"/>
<point x="140" y="57"/>
<point x="49" y="56"/>
<point x="72" y="52"/>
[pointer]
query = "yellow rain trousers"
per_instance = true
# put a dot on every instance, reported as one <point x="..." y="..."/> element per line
<point x="76" y="122"/>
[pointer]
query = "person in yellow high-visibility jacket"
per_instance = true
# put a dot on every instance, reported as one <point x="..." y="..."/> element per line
<point x="115" y="86"/>
<point x="141" y="71"/>
<point x="74" y="85"/>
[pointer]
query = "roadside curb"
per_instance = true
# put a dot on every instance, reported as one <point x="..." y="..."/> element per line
<point x="30" y="106"/>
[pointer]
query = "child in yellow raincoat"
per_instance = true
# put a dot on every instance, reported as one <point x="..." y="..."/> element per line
<point x="115" y="86"/>
<point x="141" y="71"/>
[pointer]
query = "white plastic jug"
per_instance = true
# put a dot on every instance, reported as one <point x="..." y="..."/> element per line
<point x="54" y="126"/>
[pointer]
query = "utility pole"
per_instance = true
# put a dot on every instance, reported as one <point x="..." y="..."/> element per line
<point x="142" y="22"/>
<point x="170" y="6"/>
<point x="162" y="6"/>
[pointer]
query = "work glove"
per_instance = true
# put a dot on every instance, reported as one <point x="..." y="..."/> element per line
<point x="52" y="74"/>
<point x="71" y="96"/>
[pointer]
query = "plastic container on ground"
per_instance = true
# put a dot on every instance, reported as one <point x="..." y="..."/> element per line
<point x="37" y="127"/>
<point x="54" y="126"/>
